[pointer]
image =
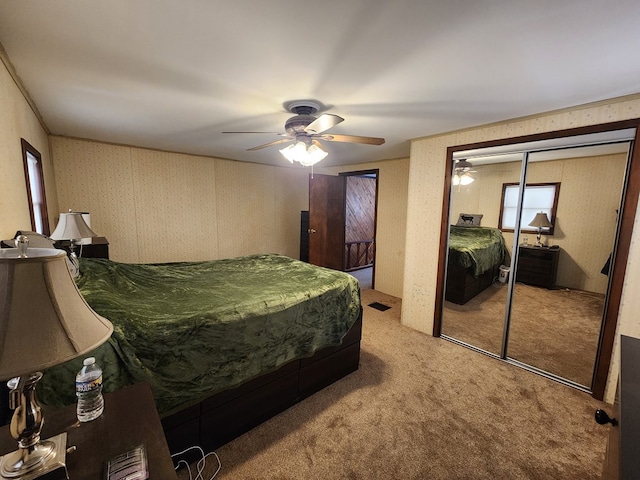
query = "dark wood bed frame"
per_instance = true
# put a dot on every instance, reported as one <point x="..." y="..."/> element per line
<point x="462" y="285"/>
<point x="228" y="414"/>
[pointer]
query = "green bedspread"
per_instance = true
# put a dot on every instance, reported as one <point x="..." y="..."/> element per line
<point x="192" y="329"/>
<point x="480" y="248"/>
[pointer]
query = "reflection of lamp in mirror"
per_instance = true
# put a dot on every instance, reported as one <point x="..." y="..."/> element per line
<point x="461" y="173"/>
<point x="44" y="321"/>
<point x="540" y="221"/>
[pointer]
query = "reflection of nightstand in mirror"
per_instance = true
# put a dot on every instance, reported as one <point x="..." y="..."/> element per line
<point x="538" y="265"/>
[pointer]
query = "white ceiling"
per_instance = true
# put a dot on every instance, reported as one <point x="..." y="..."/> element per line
<point x="173" y="75"/>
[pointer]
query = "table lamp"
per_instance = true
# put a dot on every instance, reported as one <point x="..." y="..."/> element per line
<point x="44" y="321"/>
<point x="540" y="221"/>
<point x="71" y="226"/>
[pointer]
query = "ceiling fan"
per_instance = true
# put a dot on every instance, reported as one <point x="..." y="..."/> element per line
<point x="305" y="130"/>
<point x="462" y="171"/>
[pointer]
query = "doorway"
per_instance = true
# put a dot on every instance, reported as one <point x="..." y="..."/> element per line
<point x="342" y="222"/>
<point x="541" y="269"/>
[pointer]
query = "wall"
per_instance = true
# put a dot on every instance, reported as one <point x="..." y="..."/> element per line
<point x="157" y="206"/>
<point x="590" y="193"/>
<point x="17" y="120"/>
<point x="391" y="222"/>
<point x="424" y="210"/>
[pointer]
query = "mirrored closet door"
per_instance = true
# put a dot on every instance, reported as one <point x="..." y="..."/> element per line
<point x="475" y="305"/>
<point x="527" y="269"/>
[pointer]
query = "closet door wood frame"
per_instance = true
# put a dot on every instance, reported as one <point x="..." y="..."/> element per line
<point x="629" y="207"/>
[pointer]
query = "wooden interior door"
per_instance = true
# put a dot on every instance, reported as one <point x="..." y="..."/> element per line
<point x="326" y="220"/>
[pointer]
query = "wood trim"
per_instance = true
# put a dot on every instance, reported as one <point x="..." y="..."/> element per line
<point x="28" y="148"/>
<point x="629" y="207"/>
<point x="608" y="334"/>
<point x="570" y="132"/>
<point x="361" y="173"/>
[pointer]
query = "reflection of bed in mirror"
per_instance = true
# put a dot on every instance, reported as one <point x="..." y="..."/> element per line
<point x="475" y="255"/>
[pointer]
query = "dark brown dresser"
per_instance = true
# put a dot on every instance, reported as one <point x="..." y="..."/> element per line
<point x="538" y="265"/>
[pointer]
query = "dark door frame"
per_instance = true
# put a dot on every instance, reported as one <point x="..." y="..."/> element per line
<point x="629" y="207"/>
<point x="360" y="173"/>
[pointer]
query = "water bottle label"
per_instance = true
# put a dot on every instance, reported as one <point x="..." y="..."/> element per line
<point x="88" y="386"/>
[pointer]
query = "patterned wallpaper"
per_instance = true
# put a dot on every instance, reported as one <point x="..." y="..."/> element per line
<point x="98" y="178"/>
<point x="17" y="121"/>
<point x="259" y="208"/>
<point x="157" y="206"/>
<point x="424" y="209"/>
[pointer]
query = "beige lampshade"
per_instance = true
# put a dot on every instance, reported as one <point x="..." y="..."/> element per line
<point x="541" y="221"/>
<point x="44" y="320"/>
<point x="71" y="226"/>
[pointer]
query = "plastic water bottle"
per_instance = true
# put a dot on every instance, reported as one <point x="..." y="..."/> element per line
<point x="89" y="391"/>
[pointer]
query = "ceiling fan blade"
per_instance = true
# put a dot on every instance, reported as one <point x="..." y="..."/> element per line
<point x="270" y="133"/>
<point x="276" y="142"/>
<point x="323" y="122"/>
<point x="352" y="139"/>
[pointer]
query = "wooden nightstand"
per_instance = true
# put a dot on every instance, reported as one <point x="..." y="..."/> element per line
<point x="130" y="418"/>
<point x="98" y="247"/>
<point x="538" y="265"/>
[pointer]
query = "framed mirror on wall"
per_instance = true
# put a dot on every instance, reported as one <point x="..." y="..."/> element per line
<point x="537" y="280"/>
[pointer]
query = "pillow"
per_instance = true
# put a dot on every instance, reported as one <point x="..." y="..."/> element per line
<point x="469" y="219"/>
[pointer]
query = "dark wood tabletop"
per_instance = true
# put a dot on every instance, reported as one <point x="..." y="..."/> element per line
<point x="129" y="419"/>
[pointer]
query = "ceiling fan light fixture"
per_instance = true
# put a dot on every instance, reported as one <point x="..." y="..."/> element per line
<point x="466" y="179"/>
<point x="289" y="152"/>
<point x="463" y="164"/>
<point x="461" y="175"/>
<point x="299" y="152"/>
<point x="462" y="179"/>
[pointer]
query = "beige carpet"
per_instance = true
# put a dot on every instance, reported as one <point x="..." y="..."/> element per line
<point x="553" y="330"/>
<point x="421" y="407"/>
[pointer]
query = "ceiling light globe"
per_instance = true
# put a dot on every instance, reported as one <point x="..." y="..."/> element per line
<point x="466" y="179"/>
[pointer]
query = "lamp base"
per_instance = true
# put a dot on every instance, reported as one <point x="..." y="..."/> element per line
<point x="47" y="459"/>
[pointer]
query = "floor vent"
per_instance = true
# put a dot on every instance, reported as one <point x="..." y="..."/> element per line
<point x="379" y="306"/>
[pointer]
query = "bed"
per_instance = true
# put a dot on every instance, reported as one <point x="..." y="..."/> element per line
<point x="475" y="254"/>
<point x="224" y="344"/>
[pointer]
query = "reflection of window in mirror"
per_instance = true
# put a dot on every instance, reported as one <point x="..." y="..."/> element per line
<point x="35" y="188"/>
<point x="538" y="197"/>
